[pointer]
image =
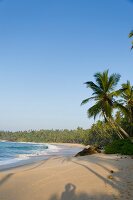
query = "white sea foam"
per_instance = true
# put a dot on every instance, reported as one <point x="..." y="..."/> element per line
<point x="3" y="141"/>
<point x="10" y="161"/>
<point x="51" y="149"/>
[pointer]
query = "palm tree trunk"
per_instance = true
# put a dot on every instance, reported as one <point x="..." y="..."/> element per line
<point x="123" y="132"/>
<point x="118" y="132"/>
<point x="112" y="125"/>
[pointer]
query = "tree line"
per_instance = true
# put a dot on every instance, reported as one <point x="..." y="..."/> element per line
<point x="98" y="134"/>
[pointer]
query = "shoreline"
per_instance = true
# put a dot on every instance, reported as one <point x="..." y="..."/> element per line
<point x="65" y="149"/>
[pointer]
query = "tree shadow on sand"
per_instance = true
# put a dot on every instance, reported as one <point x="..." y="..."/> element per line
<point x="2" y="181"/>
<point x="69" y="193"/>
<point x="112" y="171"/>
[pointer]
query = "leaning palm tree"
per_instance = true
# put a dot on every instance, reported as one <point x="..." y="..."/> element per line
<point x="126" y="104"/>
<point x="131" y="35"/>
<point x="103" y="95"/>
<point x="127" y="96"/>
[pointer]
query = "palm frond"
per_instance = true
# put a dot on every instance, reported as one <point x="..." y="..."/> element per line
<point x="95" y="110"/>
<point x="87" y="100"/>
<point x="121" y="107"/>
<point x="105" y="80"/>
<point x="129" y="89"/>
<point x="130" y="34"/>
<point x="113" y="81"/>
<point x="102" y="79"/>
<point x="93" y="86"/>
<point x="98" y="77"/>
<point x="132" y="45"/>
<point x="117" y="93"/>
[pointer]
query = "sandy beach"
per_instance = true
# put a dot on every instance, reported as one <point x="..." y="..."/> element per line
<point x="95" y="177"/>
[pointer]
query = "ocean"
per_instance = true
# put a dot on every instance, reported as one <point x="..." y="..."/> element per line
<point x="18" y="153"/>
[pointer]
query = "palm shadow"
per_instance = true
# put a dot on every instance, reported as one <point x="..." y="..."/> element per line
<point x="2" y="181"/>
<point x="105" y="180"/>
<point x="36" y="166"/>
<point x="113" y="183"/>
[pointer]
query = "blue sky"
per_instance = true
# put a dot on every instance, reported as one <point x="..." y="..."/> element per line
<point x="49" y="48"/>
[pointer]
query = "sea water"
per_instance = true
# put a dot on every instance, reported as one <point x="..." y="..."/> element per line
<point x="12" y="152"/>
<point x="18" y="153"/>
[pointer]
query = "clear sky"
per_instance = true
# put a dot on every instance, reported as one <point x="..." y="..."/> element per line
<point x="49" y="48"/>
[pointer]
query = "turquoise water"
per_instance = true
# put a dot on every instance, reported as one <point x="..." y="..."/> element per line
<point x="11" y="152"/>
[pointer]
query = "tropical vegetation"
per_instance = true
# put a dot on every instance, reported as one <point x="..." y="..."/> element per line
<point x="115" y="107"/>
<point x="105" y="97"/>
<point x="124" y="147"/>
<point x="98" y="134"/>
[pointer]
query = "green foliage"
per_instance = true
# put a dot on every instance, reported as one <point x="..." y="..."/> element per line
<point x="126" y="107"/>
<point x="63" y="136"/>
<point x="99" y="134"/>
<point x="105" y="102"/>
<point x="103" y="94"/>
<point x="124" y="147"/>
<point x="102" y="133"/>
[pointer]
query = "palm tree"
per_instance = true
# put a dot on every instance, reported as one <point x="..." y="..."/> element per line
<point x="103" y="95"/>
<point x="126" y="105"/>
<point x="127" y="96"/>
<point x="131" y="35"/>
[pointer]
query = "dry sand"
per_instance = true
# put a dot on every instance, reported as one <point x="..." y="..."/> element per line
<point x="70" y="178"/>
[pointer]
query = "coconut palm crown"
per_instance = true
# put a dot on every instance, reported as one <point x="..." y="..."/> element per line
<point x="103" y="94"/>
